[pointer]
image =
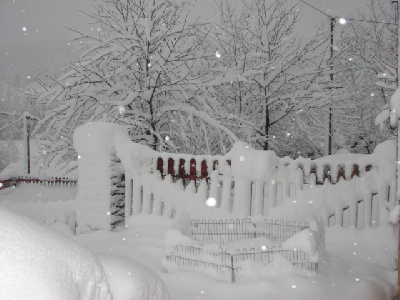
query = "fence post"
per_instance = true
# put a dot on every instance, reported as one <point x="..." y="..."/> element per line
<point x="232" y="269"/>
<point x="128" y="195"/>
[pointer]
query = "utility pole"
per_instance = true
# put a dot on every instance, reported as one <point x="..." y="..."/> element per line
<point x="328" y="132"/>
<point x="395" y="4"/>
<point x="27" y="150"/>
<point x="27" y="118"/>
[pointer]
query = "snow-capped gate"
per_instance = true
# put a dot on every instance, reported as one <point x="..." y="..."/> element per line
<point x="345" y="190"/>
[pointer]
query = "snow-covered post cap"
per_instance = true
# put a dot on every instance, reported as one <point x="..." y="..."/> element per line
<point x="252" y="164"/>
<point x="97" y="138"/>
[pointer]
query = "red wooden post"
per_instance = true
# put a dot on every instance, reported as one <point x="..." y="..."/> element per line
<point x="356" y="171"/>
<point x="160" y="165"/>
<point x="171" y="170"/>
<point x="192" y="174"/>
<point x="327" y="173"/>
<point x="182" y="173"/>
<point x="340" y="173"/>
<point x="204" y="171"/>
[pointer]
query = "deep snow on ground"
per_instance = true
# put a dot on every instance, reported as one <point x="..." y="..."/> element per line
<point x="39" y="263"/>
<point x="357" y="264"/>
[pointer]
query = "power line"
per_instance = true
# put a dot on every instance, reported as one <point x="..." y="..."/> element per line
<point x="349" y="19"/>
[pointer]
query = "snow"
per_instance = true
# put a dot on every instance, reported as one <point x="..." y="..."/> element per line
<point x="53" y="206"/>
<point x="356" y="265"/>
<point x="37" y="263"/>
<point x="252" y="164"/>
<point x="306" y="240"/>
<point x="128" y="279"/>
<point x="94" y="144"/>
<point x="395" y="215"/>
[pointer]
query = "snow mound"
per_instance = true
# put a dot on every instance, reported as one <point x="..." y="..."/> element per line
<point x="394" y="215"/>
<point x="307" y="240"/>
<point x="280" y="266"/>
<point x="130" y="280"/>
<point x="39" y="264"/>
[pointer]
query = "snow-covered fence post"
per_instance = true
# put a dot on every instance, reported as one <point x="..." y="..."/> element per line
<point x="95" y="143"/>
<point x="128" y="195"/>
<point x="249" y="165"/>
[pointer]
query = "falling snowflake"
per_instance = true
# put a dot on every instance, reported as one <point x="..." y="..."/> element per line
<point x="211" y="202"/>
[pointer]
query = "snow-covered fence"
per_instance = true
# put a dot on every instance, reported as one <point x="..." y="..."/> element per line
<point x="353" y="190"/>
<point x="198" y="167"/>
<point x="188" y="167"/>
<point x="6" y="183"/>
<point x="52" y="181"/>
<point x="229" y="267"/>
<point x="46" y="212"/>
<point x="226" y="231"/>
<point x="354" y="200"/>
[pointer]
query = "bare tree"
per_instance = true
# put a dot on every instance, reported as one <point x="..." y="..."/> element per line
<point x="267" y="76"/>
<point x="144" y="70"/>
<point x="365" y="63"/>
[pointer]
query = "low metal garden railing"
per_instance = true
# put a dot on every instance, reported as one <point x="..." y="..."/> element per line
<point x="220" y="262"/>
<point x="226" y="231"/>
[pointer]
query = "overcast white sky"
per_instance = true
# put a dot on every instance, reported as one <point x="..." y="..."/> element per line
<point x="44" y="19"/>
